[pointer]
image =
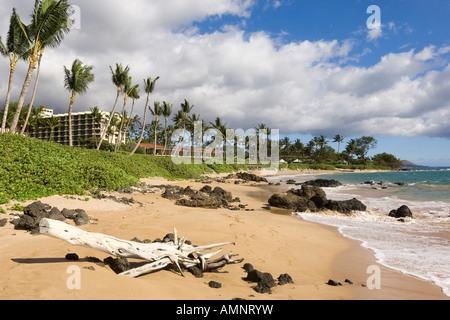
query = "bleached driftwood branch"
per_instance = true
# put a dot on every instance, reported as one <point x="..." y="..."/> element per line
<point x="159" y="255"/>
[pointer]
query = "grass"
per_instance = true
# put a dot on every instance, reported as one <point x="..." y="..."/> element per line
<point x="31" y="169"/>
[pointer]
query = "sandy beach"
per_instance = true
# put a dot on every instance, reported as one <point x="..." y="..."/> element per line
<point x="34" y="266"/>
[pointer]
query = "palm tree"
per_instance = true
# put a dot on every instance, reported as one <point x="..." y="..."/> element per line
<point x="149" y="85"/>
<point x="351" y="148"/>
<point x="36" y="118"/>
<point x="178" y="119"/>
<point x="186" y="108"/>
<point x="30" y="106"/>
<point x="119" y="78"/>
<point x="76" y="80"/>
<point x="113" y="125"/>
<point x="52" y="124"/>
<point x="122" y="121"/>
<point x="321" y="142"/>
<point x="286" y="142"/>
<point x="338" y="139"/>
<point x="134" y="94"/>
<point x="15" y="49"/>
<point x="127" y="90"/>
<point x="166" y="112"/>
<point x="50" y="22"/>
<point x="260" y="128"/>
<point x="157" y="112"/>
<point x="220" y="127"/>
<point x="131" y="125"/>
<point x="263" y="126"/>
<point x="310" y="149"/>
<point x="191" y="122"/>
<point x="96" y="117"/>
<point x="298" y="147"/>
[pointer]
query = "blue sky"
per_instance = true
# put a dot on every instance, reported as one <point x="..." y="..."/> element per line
<point x="406" y="25"/>
<point x="306" y="67"/>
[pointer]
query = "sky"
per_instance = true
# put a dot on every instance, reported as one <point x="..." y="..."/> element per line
<point x="305" y="67"/>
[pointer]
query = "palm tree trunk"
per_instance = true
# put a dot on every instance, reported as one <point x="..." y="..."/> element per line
<point x="156" y="134"/>
<point x="30" y="107"/>
<point x="128" y="123"/>
<point x="165" y="136"/>
<point x="23" y="94"/>
<point x="143" y="126"/>
<point x="72" y="101"/>
<point x="8" y="95"/>
<point x="105" y="130"/>
<point x="119" y="135"/>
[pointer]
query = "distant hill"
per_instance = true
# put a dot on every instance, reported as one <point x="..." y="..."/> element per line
<point x="407" y="163"/>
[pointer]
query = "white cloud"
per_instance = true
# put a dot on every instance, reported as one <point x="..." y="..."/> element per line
<point x="298" y="87"/>
<point x="374" y="34"/>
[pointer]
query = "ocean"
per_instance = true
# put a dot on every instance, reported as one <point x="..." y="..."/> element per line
<point x="418" y="246"/>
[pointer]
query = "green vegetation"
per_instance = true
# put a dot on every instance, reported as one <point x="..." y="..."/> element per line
<point x="387" y="160"/>
<point x="318" y="155"/>
<point x="16" y="207"/>
<point x="32" y="168"/>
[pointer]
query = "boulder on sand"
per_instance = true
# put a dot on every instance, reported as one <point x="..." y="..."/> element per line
<point x="402" y="212"/>
<point x="36" y="211"/>
<point x="207" y="197"/>
<point x="313" y="199"/>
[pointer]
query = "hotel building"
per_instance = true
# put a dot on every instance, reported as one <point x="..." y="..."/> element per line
<point x="83" y="128"/>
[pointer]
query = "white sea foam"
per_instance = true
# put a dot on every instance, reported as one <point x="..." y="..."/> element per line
<point x="412" y="247"/>
<point x="418" y="246"/>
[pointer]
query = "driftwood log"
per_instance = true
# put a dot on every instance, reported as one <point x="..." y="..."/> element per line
<point x="159" y="255"/>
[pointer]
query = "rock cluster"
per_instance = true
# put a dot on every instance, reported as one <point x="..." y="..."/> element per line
<point x="33" y="213"/>
<point x="264" y="280"/>
<point x="206" y="197"/>
<point x="249" y="177"/>
<point x="313" y="199"/>
<point x="323" y="183"/>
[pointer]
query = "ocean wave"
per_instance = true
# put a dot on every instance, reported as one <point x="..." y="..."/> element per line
<point x="417" y="246"/>
<point x="407" y="247"/>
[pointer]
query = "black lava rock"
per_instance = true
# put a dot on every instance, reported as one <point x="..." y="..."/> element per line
<point x="263" y="277"/>
<point x="402" y="212"/>
<point x="118" y="265"/>
<point x="334" y="283"/>
<point x="284" y="279"/>
<point x="215" y="285"/>
<point x="323" y="183"/>
<point x="72" y="257"/>
<point x="262" y="288"/>
<point x="248" y="267"/>
<point x="32" y="216"/>
<point x="196" y="271"/>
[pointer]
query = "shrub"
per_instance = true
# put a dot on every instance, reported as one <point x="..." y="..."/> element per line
<point x="31" y="169"/>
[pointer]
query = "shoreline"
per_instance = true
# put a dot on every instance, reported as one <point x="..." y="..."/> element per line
<point x="311" y="253"/>
<point x="412" y="290"/>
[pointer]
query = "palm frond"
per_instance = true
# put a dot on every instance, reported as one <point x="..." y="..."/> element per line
<point x="50" y="23"/>
<point x="78" y="78"/>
